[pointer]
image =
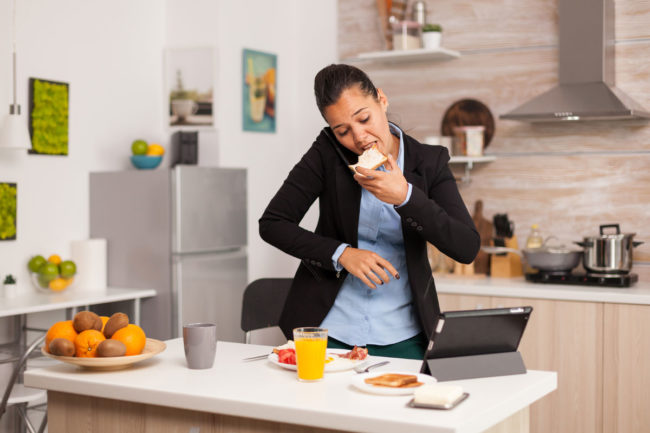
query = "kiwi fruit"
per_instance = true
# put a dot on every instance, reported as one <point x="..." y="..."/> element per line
<point x="85" y="320"/>
<point x="61" y="347"/>
<point x="116" y="322"/>
<point x="109" y="348"/>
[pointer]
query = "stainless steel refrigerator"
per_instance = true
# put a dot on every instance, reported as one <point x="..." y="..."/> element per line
<point x="182" y="232"/>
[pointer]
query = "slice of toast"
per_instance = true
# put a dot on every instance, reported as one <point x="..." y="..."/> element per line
<point x="393" y="380"/>
<point x="370" y="159"/>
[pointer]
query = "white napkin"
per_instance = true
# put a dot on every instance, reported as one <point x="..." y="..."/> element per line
<point x="437" y="394"/>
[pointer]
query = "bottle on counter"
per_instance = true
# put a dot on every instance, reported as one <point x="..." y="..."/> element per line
<point x="534" y="239"/>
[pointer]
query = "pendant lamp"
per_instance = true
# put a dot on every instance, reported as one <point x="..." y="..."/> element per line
<point x="14" y="133"/>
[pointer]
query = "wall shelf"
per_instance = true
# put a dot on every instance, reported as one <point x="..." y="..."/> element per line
<point x="469" y="162"/>
<point x="402" y="56"/>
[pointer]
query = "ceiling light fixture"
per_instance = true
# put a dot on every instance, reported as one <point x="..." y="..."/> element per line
<point x="14" y="133"/>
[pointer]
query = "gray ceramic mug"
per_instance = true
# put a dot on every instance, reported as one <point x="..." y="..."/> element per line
<point x="200" y="343"/>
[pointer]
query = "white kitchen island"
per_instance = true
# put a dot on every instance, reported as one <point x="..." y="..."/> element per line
<point x="162" y="395"/>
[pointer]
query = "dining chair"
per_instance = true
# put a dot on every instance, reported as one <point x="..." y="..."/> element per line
<point x="18" y="396"/>
<point x="262" y="304"/>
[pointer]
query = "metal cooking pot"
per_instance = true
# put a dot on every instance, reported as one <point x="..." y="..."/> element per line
<point x="608" y="253"/>
<point x="552" y="259"/>
<point x="549" y="259"/>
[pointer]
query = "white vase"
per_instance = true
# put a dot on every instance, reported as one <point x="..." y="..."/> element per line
<point x="9" y="290"/>
<point x="431" y="40"/>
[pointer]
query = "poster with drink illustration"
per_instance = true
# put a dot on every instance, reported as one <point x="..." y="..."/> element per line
<point x="259" y="90"/>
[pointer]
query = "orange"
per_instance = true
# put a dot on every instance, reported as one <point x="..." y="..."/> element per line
<point x="58" y="284"/>
<point x="133" y="338"/>
<point x="86" y="343"/>
<point x="54" y="258"/>
<point x="155" y="150"/>
<point x="60" y="330"/>
<point x="104" y="320"/>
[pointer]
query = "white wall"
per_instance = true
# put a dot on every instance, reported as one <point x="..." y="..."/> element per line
<point x="303" y="35"/>
<point x="112" y="56"/>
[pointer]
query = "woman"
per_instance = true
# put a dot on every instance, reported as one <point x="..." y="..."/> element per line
<point x="364" y="273"/>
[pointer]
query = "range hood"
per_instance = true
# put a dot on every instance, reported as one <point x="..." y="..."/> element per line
<point x="586" y="70"/>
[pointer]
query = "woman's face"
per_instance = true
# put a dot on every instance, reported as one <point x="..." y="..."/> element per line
<point x="359" y="121"/>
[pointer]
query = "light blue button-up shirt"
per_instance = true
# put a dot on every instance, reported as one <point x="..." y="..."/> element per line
<point x="384" y="315"/>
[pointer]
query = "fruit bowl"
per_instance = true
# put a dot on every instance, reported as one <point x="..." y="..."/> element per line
<point x="152" y="347"/>
<point x="50" y="284"/>
<point x="145" y="162"/>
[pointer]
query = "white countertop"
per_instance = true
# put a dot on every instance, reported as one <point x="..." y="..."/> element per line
<point x="260" y="389"/>
<point x="518" y="287"/>
<point x="36" y="302"/>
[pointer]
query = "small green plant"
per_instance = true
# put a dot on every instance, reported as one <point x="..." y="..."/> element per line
<point x="432" y="28"/>
<point x="9" y="279"/>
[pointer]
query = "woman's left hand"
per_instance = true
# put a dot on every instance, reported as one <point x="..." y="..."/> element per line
<point x="389" y="186"/>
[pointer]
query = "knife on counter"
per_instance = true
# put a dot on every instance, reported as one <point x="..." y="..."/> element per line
<point x="255" y="358"/>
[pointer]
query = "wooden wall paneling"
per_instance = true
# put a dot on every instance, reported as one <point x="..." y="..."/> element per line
<point x="467" y="24"/>
<point x="569" y="196"/>
<point x="566" y="337"/>
<point x="567" y="177"/>
<point x="632" y="18"/>
<point x="626" y="373"/>
<point x="419" y="93"/>
<point x="490" y="24"/>
<point x="358" y="28"/>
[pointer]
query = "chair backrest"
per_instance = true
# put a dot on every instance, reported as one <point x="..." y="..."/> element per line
<point x="263" y="302"/>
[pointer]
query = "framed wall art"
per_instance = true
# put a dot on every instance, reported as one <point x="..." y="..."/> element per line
<point x="259" y="90"/>
<point x="189" y="87"/>
<point x="8" y="207"/>
<point x="48" y="116"/>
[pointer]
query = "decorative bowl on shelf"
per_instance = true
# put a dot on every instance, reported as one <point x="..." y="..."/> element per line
<point x="145" y="162"/>
<point x="49" y="283"/>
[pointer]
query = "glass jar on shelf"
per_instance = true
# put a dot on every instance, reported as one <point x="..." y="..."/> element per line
<point x="407" y="35"/>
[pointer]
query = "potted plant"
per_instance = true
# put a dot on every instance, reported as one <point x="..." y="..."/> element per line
<point x="431" y="35"/>
<point x="9" y="286"/>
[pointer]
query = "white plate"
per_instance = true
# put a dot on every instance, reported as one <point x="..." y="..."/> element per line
<point x="359" y="383"/>
<point x="335" y="363"/>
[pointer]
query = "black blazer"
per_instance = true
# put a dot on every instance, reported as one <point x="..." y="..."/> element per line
<point x="435" y="213"/>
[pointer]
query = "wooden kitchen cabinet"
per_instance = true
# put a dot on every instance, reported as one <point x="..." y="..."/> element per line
<point x="562" y="336"/>
<point x="463" y="302"/>
<point x="626" y="373"/>
<point x="566" y="337"/>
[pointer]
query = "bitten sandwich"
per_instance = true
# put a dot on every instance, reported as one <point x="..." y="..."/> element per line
<point x="370" y="159"/>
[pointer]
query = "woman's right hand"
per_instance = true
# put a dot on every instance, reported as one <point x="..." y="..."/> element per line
<point x="369" y="267"/>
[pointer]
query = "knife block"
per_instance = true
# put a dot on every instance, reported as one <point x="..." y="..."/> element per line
<point x="508" y="265"/>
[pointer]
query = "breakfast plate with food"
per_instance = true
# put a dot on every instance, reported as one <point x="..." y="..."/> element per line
<point x="391" y="382"/>
<point x="335" y="359"/>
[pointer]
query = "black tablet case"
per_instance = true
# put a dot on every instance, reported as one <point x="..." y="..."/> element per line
<point x="476" y="343"/>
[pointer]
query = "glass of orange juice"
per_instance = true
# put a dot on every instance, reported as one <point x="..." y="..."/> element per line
<point x="310" y="353"/>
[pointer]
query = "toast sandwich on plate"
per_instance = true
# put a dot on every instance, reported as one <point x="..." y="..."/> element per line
<point x="394" y="380"/>
<point x="370" y="159"/>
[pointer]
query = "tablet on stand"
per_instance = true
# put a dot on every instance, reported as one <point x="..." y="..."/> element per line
<point x="476" y="343"/>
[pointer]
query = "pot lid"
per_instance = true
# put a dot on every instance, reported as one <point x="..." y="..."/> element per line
<point x="617" y="235"/>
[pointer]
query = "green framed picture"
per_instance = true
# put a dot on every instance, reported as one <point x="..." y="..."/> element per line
<point x="8" y="206"/>
<point x="259" y="90"/>
<point x="48" y="116"/>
